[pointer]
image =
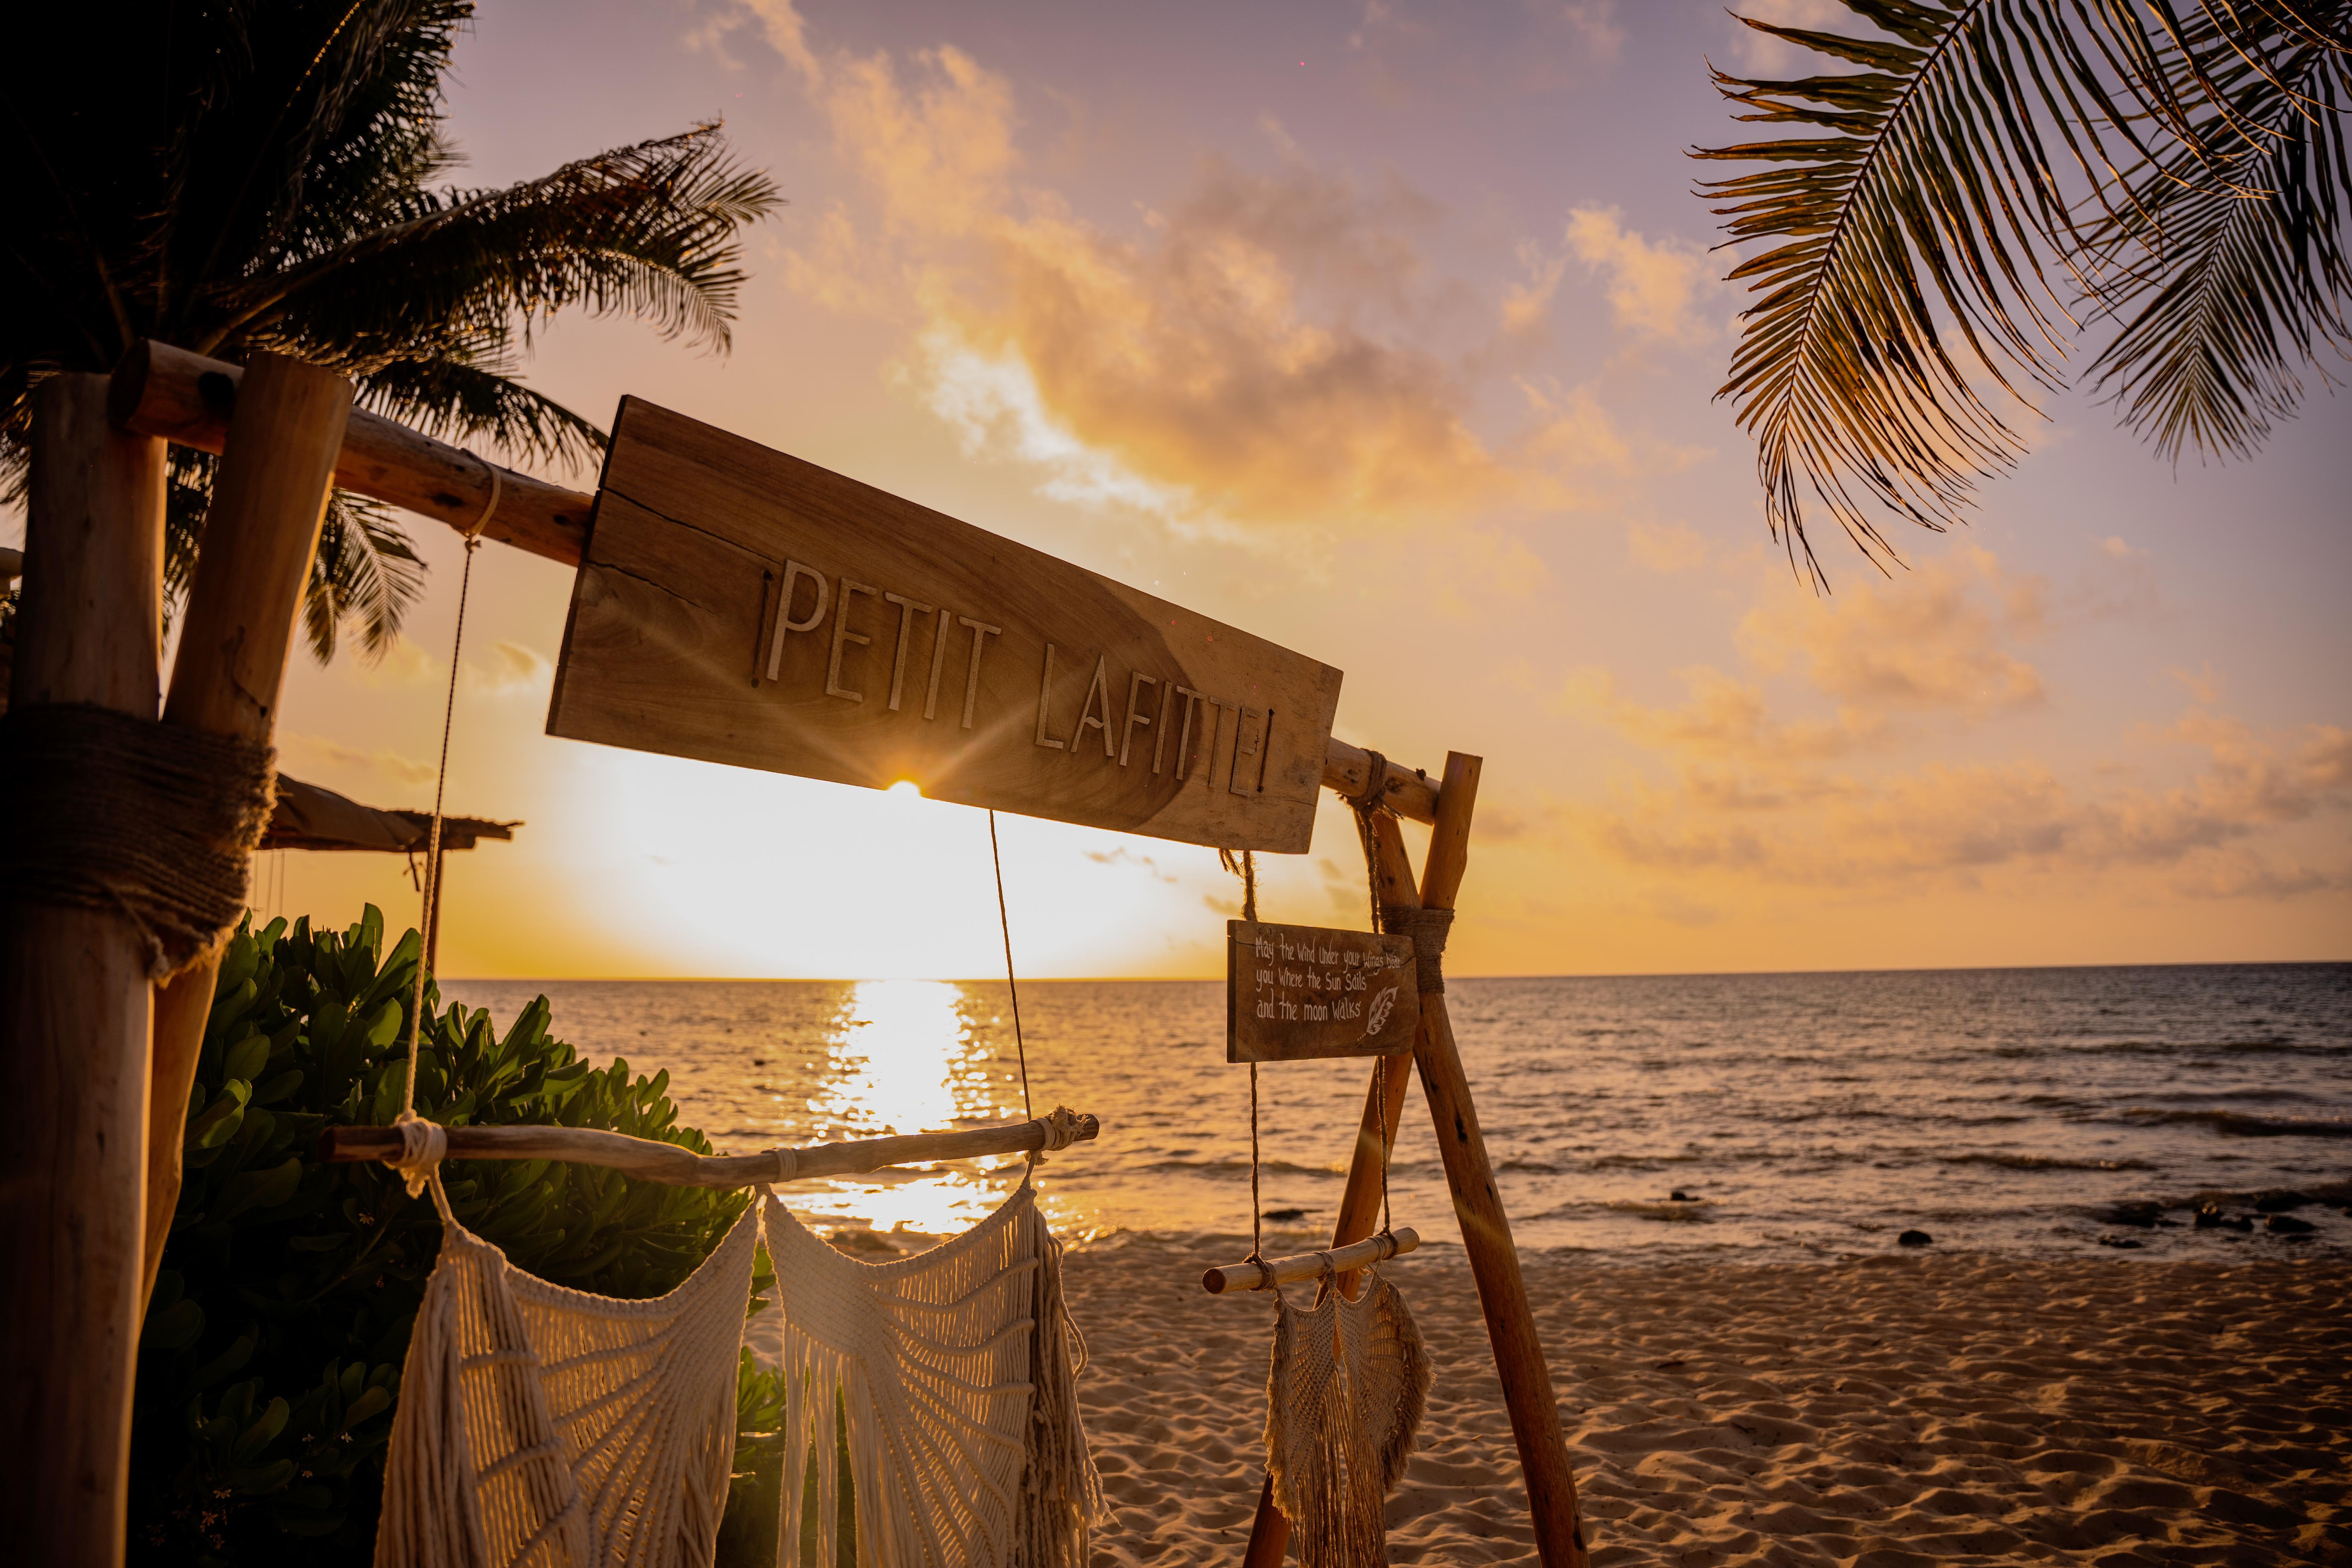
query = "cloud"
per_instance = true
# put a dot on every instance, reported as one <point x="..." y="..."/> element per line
<point x="1936" y="636"/>
<point x="390" y="765"/>
<point x="1658" y="290"/>
<point x="1246" y="356"/>
<point x="1122" y="856"/>
<point x="1594" y="23"/>
<point x="507" y="666"/>
<point x="1666" y="547"/>
<point x="1962" y="823"/>
<point x="1726" y="719"/>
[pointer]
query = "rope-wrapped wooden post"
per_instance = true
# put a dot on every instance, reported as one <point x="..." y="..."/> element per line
<point x="74" y="1011"/>
<point x="269" y="496"/>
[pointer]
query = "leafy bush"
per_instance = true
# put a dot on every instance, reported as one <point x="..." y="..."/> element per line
<point x="270" y="1362"/>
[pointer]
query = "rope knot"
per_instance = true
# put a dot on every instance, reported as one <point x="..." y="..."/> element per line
<point x="1374" y="793"/>
<point x="1427" y="928"/>
<point x="788" y="1164"/>
<point x="422" y="1145"/>
<point x="1062" y="1129"/>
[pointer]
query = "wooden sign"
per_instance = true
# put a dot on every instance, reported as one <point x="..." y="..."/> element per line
<point x="1304" y="993"/>
<point x="740" y="606"/>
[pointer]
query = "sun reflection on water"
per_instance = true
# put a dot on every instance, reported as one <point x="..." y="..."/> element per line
<point x="905" y="1056"/>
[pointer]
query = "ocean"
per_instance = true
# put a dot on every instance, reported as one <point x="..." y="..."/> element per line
<point x="1669" y="1117"/>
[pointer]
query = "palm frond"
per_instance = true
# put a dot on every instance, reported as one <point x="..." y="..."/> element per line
<point x="1911" y="242"/>
<point x="647" y="231"/>
<point x="2234" y="277"/>
<point x="365" y="575"/>
<point x="460" y="402"/>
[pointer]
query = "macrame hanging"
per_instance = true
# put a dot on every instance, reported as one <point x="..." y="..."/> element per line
<point x="545" y="1427"/>
<point x="959" y="1389"/>
<point x="1348" y="1380"/>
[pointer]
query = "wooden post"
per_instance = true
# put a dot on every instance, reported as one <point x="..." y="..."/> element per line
<point x="74" y="1012"/>
<point x="1469" y="1174"/>
<point x="259" y="535"/>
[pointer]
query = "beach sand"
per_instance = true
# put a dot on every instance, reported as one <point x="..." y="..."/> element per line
<point x="1903" y="1409"/>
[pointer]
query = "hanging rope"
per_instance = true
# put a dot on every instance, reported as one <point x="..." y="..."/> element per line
<point x="423" y="1144"/>
<point x="1367" y="808"/>
<point x="1244" y="866"/>
<point x="1005" y="922"/>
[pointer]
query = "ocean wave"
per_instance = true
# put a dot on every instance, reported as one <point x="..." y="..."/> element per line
<point x="2043" y="1162"/>
<point x="2245" y="1125"/>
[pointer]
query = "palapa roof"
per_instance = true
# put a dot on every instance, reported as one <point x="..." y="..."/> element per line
<point x="309" y="818"/>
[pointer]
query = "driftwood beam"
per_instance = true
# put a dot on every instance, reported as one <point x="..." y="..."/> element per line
<point x="667" y="1164"/>
<point x="184" y="397"/>
<point x="1248" y="1276"/>
<point x="1408" y="792"/>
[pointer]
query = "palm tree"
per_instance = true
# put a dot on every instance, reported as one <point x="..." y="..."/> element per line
<point x="238" y="175"/>
<point x="2002" y="178"/>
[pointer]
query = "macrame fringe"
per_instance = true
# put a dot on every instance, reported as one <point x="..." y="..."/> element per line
<point x="552" y="1427"/>
<point x="1345" y="1396"/>
<point x="953" y="1369"/>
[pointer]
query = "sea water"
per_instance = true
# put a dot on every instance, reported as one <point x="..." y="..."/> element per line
<point x="1670" y="1116"/>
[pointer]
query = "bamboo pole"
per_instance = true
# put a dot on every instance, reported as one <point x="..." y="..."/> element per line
<point x="74" y="1012"/>
<point x="647" y="1160"/>
<point x="259" y="535"/>
<point x="1268" y="1273"/>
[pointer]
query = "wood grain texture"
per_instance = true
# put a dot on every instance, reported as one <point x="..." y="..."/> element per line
<point x="692" y="633"/>
<point x="74" y="1013"/>
<point x="650" y="1160"/>
<point x="1297" y="993"/>
<point x="163" y="391"/>
<point x="260" y="533"/>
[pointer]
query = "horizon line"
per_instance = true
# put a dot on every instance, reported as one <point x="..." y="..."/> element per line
<point x="1214" y="979"/>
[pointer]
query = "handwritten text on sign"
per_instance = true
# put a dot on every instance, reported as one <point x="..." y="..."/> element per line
<point x="1303" y="993"/>
<point x="740" y="606"/>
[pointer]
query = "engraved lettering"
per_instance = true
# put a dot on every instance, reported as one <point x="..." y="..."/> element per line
<point x="1135" y="683"/>
<point x="1184" y="740"/>
<point x="1044" y="697"/>
<point x="972" y="670"/>
<point x="1236" y="781"/>
<point x="1167" y="690"/>
<point x="1099" y="687"/>
<point x="841" y="634"/>
<point x="794" y="572"/>
<point x="939" y="657"/>
<point x="908" y="610"/>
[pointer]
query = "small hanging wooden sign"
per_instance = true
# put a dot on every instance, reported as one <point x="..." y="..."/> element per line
<point x="737" y="605"/>
<point x="1306" y="993"/>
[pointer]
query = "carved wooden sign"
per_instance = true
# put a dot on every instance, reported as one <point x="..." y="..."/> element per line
<point x="740" y="606"/>
<point x="1304" y="993"/>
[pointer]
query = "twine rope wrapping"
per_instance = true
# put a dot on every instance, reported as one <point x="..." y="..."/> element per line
<point x="157" y="823"/>
<point x="1427" y="928"/>
<point x="1374" y="793"/>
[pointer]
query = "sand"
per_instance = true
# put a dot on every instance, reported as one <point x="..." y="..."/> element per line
<point x="1904" y="1409"/>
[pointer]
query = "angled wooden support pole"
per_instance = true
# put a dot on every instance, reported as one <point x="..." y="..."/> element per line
<point x="260" y="533"/>
<point x="74" y="1011"/>
<point x="1470" y="1176"/>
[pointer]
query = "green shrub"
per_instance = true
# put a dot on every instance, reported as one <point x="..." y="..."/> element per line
<point x="270" y="1362"/>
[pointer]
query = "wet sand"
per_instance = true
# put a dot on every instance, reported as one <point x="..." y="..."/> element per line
<point x="1906" y="1409"/>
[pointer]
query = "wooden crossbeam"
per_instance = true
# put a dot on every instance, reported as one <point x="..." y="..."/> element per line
<point x="159" y="389"/>
<point x="1270" y="1272"/>
<point x="667" y="1162"/>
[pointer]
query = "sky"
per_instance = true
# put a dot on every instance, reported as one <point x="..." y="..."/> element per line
<point x="1388" y="331"/>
